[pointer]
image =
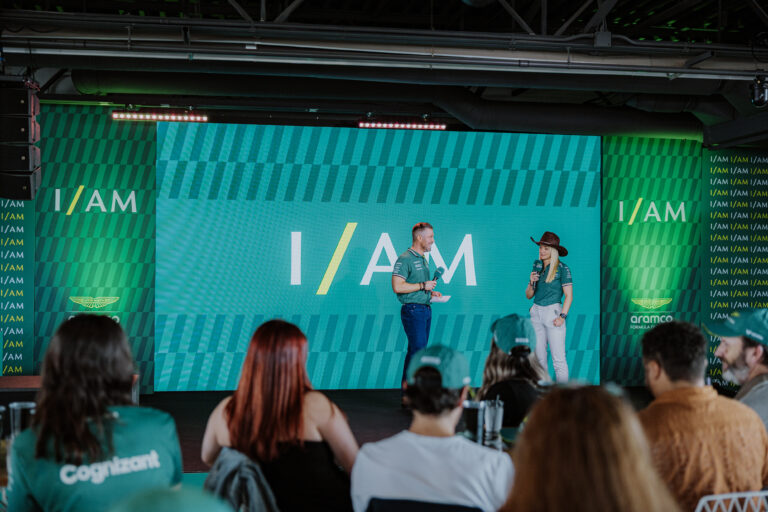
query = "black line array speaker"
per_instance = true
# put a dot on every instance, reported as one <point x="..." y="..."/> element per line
<point x="19" y="134"/>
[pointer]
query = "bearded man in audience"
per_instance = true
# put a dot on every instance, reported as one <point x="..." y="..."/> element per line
<point x="743" y="350"/>
<point x="701" y="443"/>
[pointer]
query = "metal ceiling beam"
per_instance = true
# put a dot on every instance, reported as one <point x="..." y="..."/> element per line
<point x="283" y="16"/>
<point x="512" y="12"/>
<point x="51" y="81"/>
<point x="106" y="27"/>
<point x="242" y="12"/>
<point x="573" y="17"/>
<point x="23" y="50"/>
<point x="600" y="15"/>
<point x="759" y="11"/>
<point x="734" y="133"/>
<point x="665" y="15"/>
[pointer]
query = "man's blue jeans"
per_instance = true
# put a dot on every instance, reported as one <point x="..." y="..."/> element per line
<point x="417" y="319"/>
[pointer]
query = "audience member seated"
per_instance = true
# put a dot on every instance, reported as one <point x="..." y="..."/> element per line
<point x="743" y="350"/>
<point x="293" y="432"/>
<point x="89" y="447"/>
<point x="428" y="462"/>
<point x="583" y="450"/>
<point x="512" y="373"/>
<point x="701" y="443"/>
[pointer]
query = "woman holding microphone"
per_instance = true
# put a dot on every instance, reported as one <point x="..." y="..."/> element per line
<point x="550" y="281"/>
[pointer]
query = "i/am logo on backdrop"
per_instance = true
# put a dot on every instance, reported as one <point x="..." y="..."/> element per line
<point x="651" y="211"/>
<point x="118" y="202"/>
<point x="384" y="245"/>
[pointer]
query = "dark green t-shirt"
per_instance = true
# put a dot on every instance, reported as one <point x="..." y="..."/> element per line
<point x="552" y="293"/>
<point x="146" y="455"/>
<point x="414" y="268"/>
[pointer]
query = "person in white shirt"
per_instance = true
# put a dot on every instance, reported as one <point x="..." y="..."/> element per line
<point x="428" y="462"/>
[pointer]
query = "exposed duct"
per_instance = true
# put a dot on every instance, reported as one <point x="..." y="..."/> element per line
<point x="460" y="103"/>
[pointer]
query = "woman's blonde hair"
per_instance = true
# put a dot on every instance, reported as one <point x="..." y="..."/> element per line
<point x="584" y="450"/>
<point x="520" y="364"/>
<point x="554" y="261"/>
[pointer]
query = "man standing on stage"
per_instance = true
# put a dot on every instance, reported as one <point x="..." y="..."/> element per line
<point x="414" y="289"/>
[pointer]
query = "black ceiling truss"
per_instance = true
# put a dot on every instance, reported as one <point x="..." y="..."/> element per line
<point x="608" y="66"/>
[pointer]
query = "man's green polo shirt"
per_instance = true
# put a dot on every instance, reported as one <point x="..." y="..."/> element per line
<point x="552" y="293"/>
<point x="412" y="267"/>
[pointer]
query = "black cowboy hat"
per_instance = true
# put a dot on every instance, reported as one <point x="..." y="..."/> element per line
<point x="552" y="240"/>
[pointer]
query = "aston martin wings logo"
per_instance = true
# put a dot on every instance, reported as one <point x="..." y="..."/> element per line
<point x="651" y="303"/>
<point x="94" y="302"/>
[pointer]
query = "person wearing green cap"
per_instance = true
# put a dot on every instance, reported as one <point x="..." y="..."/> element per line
<point x="701" y="443"/>
<point x="512" y="373"/>
<point x="743" y="351"/>
<point x="428" y="462"/>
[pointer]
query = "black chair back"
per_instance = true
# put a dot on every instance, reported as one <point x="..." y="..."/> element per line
<point x="382" y="505"/>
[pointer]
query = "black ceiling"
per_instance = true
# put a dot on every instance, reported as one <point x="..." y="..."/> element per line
<point x="693" y="21"/>
<point x="680" y="67"/>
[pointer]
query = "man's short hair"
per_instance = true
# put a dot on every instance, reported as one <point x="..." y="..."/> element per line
<point x="680" y="349"/>
<point x="419" y="229"/>
<point x="749" y="342"/>
<point x="427" y="394"/>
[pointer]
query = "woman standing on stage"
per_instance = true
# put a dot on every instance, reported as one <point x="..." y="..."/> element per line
<point x="550" y="282"/>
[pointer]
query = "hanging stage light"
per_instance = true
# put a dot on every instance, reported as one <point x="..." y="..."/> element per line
<point x="126" y="115"/>
<point x="385" y="125"/>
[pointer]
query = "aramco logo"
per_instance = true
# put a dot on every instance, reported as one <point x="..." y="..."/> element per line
<point x="94" y="302"/>
<point x="646" y="321"/>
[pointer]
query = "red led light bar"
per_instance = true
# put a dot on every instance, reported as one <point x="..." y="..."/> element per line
<point x="401" y="126"/>
<point x="155" y="116"/>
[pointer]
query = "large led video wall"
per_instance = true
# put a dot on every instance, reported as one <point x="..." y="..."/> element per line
<point x="192" y="235"/>
<point x="305" y="224"/>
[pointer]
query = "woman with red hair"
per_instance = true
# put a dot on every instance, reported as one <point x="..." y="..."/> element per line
<point x="297" y="435"/>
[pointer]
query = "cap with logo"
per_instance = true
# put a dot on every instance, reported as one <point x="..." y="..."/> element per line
<point x="512" y="331"/>
<point x="451" y="364"/>
<point x="752" y="323"/>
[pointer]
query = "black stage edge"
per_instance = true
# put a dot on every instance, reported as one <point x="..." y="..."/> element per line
<point x="373" y="414"/>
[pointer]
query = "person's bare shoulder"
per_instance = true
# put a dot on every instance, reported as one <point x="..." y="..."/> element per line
<point x="318" y="407"/>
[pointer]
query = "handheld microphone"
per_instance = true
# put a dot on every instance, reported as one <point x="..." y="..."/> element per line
<point x="438" y="273"/>
<point x="538" y="266"/>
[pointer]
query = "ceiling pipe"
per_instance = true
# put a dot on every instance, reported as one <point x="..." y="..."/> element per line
<point x="516" y="80"/>
<point x="713" y="107"/>
<point x="476" y="113"/>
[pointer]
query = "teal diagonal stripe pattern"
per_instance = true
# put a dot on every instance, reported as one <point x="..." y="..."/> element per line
<point x="305" y="224"/>
<point x="342" y="165"/>
<point x="206" y="352"/>
<point x="95" y="226"/>
<point x="651" y="244"/>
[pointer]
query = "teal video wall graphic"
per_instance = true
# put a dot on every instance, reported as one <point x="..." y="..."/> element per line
<point x="651" y="249"/>
<point x="304" y="223"/>
<point x="95" y="227"/>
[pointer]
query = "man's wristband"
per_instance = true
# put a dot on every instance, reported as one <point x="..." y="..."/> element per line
<point x="421" y="286"/>
<point x="563" y="316"/>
